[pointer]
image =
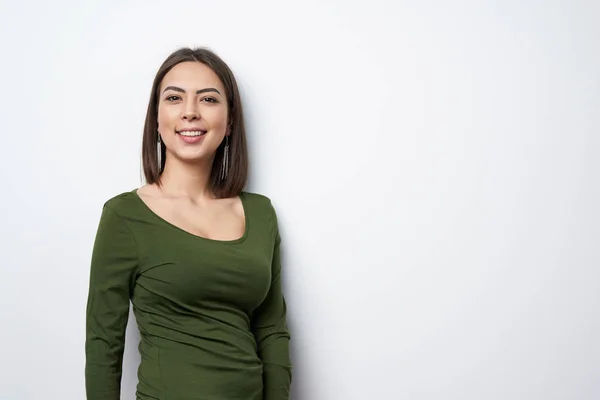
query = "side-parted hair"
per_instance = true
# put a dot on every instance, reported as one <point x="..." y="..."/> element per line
<point x="237" y="174"/>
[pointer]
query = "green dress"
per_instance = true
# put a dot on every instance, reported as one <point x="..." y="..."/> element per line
<point x="211" y="314"/>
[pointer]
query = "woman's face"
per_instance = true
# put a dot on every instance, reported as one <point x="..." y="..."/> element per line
<point x="192" y="112"/>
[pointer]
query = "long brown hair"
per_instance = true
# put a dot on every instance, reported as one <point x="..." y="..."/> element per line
<point x="237" y="174"/>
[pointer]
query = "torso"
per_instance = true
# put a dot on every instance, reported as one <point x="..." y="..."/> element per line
<point x="217" y="219"/>
<point x="194" y="299"/>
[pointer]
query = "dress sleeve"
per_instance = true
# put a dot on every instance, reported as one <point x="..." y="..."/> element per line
<point x="112" y="276"/>
<point x="272" y="335"/>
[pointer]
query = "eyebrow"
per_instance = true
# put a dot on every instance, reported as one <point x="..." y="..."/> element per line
<point x="178" y="89"/>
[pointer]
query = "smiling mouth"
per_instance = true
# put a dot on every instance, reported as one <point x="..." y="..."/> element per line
<point x="191" y="133"/>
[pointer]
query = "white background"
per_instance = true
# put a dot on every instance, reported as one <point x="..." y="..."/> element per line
<point x="434" y="165"/>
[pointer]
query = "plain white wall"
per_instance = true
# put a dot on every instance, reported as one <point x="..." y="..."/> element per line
<point x="434" y="165"/>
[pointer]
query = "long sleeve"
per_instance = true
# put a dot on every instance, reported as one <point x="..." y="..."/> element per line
<point x="112" y="276"/>
<point x="272" y="335"/>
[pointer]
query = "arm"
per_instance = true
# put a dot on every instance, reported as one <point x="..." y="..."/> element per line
<point x="272" y="336"/>
<point x="114" y="260"/>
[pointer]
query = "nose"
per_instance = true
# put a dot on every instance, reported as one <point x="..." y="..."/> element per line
<point x="190" y="110"/>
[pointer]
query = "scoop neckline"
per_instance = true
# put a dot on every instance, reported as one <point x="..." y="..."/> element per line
<point x="202" y="238"/>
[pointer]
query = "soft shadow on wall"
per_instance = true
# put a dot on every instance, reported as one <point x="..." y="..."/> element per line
<point x="298" y="380"/>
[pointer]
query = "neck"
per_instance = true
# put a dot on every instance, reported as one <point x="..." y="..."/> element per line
<point x="191" y="180"/>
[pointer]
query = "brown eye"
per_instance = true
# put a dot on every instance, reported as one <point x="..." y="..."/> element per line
<point x="210" y="99"/>
<point x="172" y="98"/>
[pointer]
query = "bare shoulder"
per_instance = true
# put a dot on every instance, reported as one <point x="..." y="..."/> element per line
<point x="148" y="191"/>
<point x="235" y="204"/>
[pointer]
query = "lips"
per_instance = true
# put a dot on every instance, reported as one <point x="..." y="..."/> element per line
<point x="191" y="132"/>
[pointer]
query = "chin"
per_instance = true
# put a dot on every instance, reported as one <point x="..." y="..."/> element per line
<point x="197" y="156"/>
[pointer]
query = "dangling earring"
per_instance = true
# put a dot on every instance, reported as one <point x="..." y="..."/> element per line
<point x="159" y="152"/>
<point x="225" y="164"/>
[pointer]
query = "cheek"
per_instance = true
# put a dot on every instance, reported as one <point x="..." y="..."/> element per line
<point x="220" y="119"/>
<point x="165" y="118"/>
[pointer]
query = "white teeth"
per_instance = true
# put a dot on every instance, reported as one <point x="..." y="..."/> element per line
<point x="191" y="133"/>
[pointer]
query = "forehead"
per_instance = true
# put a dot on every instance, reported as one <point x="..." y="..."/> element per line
<point x="191" y="75"/>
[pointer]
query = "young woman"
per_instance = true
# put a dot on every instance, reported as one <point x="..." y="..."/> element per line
<point x="196" y="255"/>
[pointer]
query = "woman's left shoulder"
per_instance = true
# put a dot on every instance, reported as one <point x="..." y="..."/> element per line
<point x="257" y="198"/>
<point x="260" y="203"/>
